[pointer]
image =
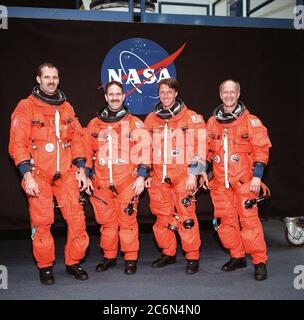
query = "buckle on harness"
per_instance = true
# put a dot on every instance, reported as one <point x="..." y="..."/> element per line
<point x="56" y="176"/>
<point x="112" y="188"/>
<point x="168" y="181"/>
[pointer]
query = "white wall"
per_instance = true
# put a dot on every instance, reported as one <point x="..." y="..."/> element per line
<point x="276" y="9"/>
<point x="183" y="9"/>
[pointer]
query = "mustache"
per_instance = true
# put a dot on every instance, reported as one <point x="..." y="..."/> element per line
<point x="114" y="101"/>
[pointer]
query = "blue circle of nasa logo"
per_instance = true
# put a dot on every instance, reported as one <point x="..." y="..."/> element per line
<point x="139" y="64"/>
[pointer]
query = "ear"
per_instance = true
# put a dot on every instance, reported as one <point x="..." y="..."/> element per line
<point x="176" y="93"/>
<point x="123" y="97"/>
<point x="106" y="98"/>
<point x="238" y="95"/>
<point x="38" y="79"/>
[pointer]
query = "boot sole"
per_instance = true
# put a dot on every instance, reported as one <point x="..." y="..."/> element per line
<point x="78" y="277"/>
<point x="161" y="266"/>
<point x="48" y="283"/>
<point x="191" y="272"/>
<point x="105" y="269"/>
<point x="128" y="272"/>
<point x="229" y="270"/>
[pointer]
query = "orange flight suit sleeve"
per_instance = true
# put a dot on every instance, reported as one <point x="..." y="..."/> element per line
<point x="20" y="132"/>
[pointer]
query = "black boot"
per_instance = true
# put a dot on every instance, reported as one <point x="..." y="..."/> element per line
<point x="130" y="266"/>
<point x="260" y="273"/>
<point x="234" y="263"/>
<point x="46" y="275"/>
<point x="163" y="261"/>
<point x="77" y="271"/>
<point x="105" y="264"/>
<point x="192" y="266"/>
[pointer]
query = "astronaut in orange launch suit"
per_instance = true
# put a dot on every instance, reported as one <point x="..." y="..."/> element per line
<point x="116" y="145"/>
<point x="46" y="144"/>
<point x="238" y="145"/>
<point x="176" y="164"/>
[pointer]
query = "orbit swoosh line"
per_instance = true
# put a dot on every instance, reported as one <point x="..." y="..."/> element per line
<point x="159" y="65"/>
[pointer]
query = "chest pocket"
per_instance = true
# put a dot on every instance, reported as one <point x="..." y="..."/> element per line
<point x="157" y="136"/>
<point x="68" y="125"/>
<point x="67" y="129"/>
<point x="43" y="126"/>
<point x="39" y="132"/>
<point x="242" y="146"/>
<point x="96" y="139"/>
<point x="186" y="132"/>
<point x="216" y="145"/>
<point x="242" y="142"/>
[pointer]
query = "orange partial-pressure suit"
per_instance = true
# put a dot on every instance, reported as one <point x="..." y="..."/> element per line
<point x="178" y="142"/>
<point x="115" y="150"/>
<point x="46" y="138"/>
<point x="238" y="147"/>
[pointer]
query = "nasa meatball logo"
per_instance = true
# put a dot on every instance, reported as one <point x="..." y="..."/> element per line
<point x="139" y="64"/>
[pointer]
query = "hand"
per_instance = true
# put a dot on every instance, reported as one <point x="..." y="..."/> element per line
<point x="82" y="179"/>
<point x="30" y="185"/>
<point x="190" y="183"/>
<point x="204" y="181"/>
<point x="255" y="185"/>
<point x="148" y="183"/>
<point x="139" y="185"/>
<point x="90" y="187"/>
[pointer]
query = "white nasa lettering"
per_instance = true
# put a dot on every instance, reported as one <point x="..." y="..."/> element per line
<point x="133" y="77"/>
<point x="113" y="75"/>
<point x="164" y="74"/>
<point x="149" y="74"/>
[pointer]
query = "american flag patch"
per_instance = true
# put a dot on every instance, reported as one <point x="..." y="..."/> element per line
<point x="139" y="124"/>
<point x="196" y="118"/>
<point x="255" y="122"/>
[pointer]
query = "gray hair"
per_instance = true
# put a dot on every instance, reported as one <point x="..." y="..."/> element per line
<point x="237" y="84"/>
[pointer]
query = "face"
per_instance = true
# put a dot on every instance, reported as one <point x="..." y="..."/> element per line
<point x="229" y="94"/>
<point x="49" y="80"/>
<point x="114" y="97"/>
<point x="167" y="96"/>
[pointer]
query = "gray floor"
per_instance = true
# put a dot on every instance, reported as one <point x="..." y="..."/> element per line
<point x="169" y="283"/>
